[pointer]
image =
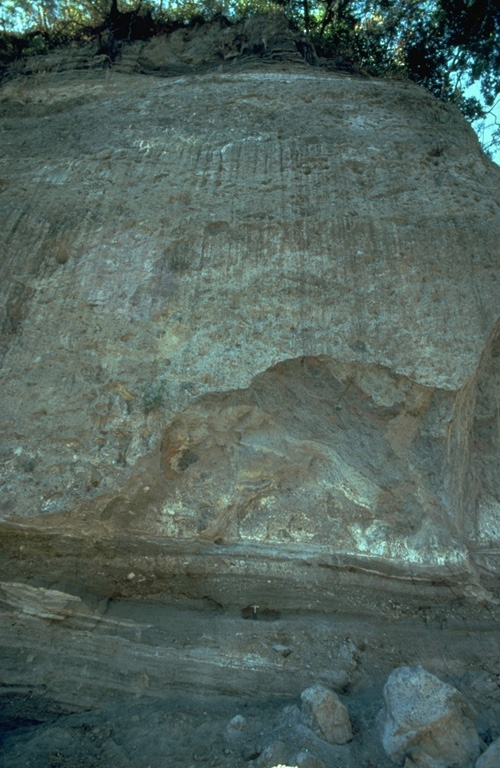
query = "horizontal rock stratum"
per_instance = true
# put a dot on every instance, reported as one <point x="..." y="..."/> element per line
<point x="252" y="309"/>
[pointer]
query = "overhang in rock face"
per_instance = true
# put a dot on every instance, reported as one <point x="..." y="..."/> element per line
<point x="253" y="310"/>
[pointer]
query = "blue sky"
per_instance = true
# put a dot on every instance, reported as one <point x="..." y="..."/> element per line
<point x="485" y="128"/>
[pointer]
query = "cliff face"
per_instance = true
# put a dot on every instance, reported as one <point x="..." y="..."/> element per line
<point x="250" y="340"/>
<point x="288" y="277"/>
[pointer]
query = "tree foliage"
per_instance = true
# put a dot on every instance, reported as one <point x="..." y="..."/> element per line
<point x="445" y="45"/>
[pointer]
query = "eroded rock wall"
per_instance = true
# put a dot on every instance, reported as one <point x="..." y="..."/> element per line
<point x="254" y="308"/>
<point x="249" y="401"/>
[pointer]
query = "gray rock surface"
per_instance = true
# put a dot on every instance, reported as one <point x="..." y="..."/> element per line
<point x="427" y="721"/>
<point x="307" y="760"/>
<point x="324" y="713"/>
<point x="249" y="356"/>
<point x="238" y="724"/>
<point x="273" y="755"/>
<point x="272" y="279"/>
<point x="491" y="757"/>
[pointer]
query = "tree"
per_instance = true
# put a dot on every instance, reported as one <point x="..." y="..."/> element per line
<point x="444" y="45"/>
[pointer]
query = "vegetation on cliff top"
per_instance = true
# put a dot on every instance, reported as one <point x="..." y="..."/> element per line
<point x="444" y="45"/>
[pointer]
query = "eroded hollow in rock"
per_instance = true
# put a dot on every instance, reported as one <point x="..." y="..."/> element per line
<point x="343" y="457"/>
<point x="317" y="476"/>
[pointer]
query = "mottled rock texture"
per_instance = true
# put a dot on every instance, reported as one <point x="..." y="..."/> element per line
<point x="254" y="308"/>
<point x="427" y="721"/>
<point x="324" y="713"/>
<point x="491" y="758"/>
<point x="250" y="357"/>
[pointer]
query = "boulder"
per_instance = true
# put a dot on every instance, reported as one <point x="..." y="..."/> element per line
<point x="238" y="723"/>
<point x="273" y="756"/>
<point x="306" y="760"/>
<point x="324" y="713"/>
<point x="426" y="722"/>
<point x="490" y="758"/>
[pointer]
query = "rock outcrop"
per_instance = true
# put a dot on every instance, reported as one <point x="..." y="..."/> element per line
<point x="250" y="350"/>
<point x="287" y="280"/>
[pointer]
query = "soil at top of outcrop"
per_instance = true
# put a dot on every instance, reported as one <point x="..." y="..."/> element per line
<point x="194" y="48"/>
